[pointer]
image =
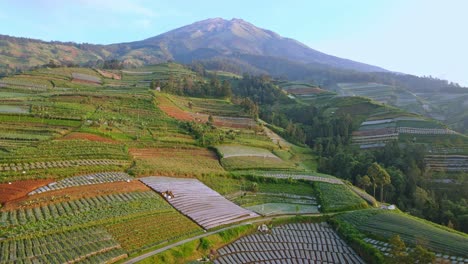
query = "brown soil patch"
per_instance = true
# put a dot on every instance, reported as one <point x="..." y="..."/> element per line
<point x="18" y="189"/>
<point x="109" y="75"/>
<point x="304" y="91"/>
<point x="86" y="136"/>
<point x="74" y="193"/>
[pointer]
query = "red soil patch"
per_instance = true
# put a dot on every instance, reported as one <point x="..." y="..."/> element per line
<point x="74" y="193"/>
<point x="18" y="189"/>
<point x="173" y="111"/>
<point x="151" y="153"/>
<point x="86" y="136"/>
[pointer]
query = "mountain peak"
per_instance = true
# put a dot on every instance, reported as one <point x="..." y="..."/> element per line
<point x="216" y="37"/>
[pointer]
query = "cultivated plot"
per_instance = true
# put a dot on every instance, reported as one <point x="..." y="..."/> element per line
<point x="197" y="201"/>
<point x="88" y="179"/>
<point x="291" y="243"/>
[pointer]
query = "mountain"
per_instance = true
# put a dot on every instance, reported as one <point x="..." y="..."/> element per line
<point x="231" y="38"/>
<point x="216" y="38"/>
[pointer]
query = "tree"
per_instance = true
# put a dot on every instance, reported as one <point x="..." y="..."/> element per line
<point x="226" y="91"/>
<point x="363" y="181"/>
<point x="421" y="255"/>
<point x="379" y="176"/>
<point x="210" y="119"/>
<point x="397" y="250"/>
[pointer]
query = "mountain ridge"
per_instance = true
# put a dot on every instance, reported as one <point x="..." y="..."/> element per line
<point x="204" y="39"/>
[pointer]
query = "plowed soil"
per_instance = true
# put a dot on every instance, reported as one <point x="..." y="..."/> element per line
<point x="86" y="136"/>
<point x="18" y="189"/>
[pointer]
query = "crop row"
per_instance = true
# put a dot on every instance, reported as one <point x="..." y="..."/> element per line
<point x="337" y="197"/>
<point x="62" y="247"/>
<point x="100" y="208"/>
<point x="375" y="138"/>
<point x="303" y="177"/>
<point x="292" y="243"/>
<point x="425" y="131"/>
<point x="88" y="179"/>
<point x="59" y="164"/>
<point x="152" y="229"/>
<point x="66" y="150"/>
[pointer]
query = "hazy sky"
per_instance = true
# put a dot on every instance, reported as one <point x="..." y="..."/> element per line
<point x="422" y="37"/>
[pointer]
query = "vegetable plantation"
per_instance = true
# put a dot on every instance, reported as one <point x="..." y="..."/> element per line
<point x="411" y="229"/>
<point x="291" y="243"/>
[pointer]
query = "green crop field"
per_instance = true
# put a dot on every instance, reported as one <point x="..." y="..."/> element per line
<point x="337" y="197"/>
<point x="228" y="151"/>
<point x="60" y="159"/>
<point x="410" y="229"/>
<point x="215" y="107"/>
<point x="255" y="163"/>
<point x="117" y="221"/>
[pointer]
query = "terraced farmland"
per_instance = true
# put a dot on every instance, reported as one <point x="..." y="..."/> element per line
<point x="228" y="151"/>
<point x="89" y="179"/>
<point x="61" y="159"/>
<point x="176" y="108"/>
<point x="291" y="243"/>
<point x="238" y="157"/>
<point x="447" y="162"/>
<point x="173" y="161"/>
<point x="17" y="130"/>
<point x="387" y="94"/>
<point x="98" y="228"/>
<point x="378" y="132"/>
<point x="80" y="77"/>
<point x="299" y="176"/>
<point x="410" y="229"/>
<point x="149" y="230"/>
<point x="195" y="200"/>
<point x="268" y="209"/>
<point x="63" y="247"/>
